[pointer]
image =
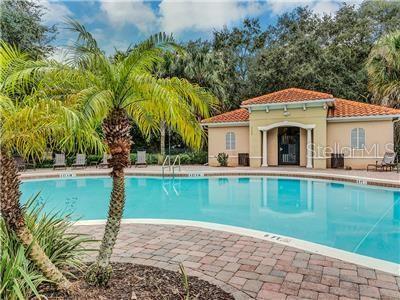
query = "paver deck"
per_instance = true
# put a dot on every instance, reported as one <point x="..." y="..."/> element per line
<point x="247" y="267"/>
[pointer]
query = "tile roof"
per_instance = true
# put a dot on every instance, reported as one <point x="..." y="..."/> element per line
<point x="288" y="95"/>
<point x="237" y="115"/>
<point x="348" y="108"/>
<point x="341" y="107"/>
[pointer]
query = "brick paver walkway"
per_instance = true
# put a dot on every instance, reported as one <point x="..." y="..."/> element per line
<point x="249" y="268"/>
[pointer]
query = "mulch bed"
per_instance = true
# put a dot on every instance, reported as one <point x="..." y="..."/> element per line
<point x="138" y="282"/>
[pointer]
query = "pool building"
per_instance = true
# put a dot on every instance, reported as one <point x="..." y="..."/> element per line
<point x="302" y="128"/>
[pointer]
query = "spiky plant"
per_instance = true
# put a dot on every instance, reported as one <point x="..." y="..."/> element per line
<point x="19" y="277"/>
<point x="117" y="92"/>
<point x="28" y="126"/>
<point x="383" y="68"/>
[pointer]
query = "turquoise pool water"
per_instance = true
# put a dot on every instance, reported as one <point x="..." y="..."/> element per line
<point x="360" y="219"/>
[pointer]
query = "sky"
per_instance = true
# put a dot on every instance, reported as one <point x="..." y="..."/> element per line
<point x="116" y="24"/>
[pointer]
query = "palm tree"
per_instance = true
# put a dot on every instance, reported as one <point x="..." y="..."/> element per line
<point x="117" y="92"/>
<point x="198" y="65"/>
<point x="383" y="67"/>
<point x="28" y="126"/>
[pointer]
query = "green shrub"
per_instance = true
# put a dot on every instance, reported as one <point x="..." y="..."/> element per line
<point x="222" y="158"/>
<point x="194" y="158"/>
<point x="19" y="277"/>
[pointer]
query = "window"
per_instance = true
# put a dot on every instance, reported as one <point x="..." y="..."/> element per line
<point x="358" y="138"/>
<point x="230" y="141"/>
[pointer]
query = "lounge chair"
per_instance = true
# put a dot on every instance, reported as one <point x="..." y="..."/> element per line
<point x="80" y="161"/>
<point x="103" y="163"/>
<point x="387" y="163"/>
<point x="141" y="159"/>
<point x="59" y="161"/>
<point x="22" y="165"/>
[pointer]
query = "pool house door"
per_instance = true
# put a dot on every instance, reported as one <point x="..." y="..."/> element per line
<point x="289" y="146"/>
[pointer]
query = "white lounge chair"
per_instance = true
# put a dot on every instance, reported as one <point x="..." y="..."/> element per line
<point x="80" y="161"/>
<point x="59" y="161"/>
<point x="141" y="159"/>
<point x="104" y="161"/>
<point x="387" y="163"/>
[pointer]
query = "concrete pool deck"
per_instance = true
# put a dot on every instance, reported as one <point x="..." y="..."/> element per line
<point x="247" y="267"/>
<point x="388" y="179"/>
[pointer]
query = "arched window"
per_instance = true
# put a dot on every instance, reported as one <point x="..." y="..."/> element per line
<point x="230" y="141"/>
<point x="357" y="138"/>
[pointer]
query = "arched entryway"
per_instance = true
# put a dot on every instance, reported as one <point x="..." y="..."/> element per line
<point x="288" y="142"/>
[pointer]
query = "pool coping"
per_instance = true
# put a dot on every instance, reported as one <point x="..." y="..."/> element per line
<point x="358" y="259"/>
<point x="361" y="180"/>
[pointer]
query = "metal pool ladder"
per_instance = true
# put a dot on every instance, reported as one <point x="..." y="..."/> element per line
<point x="174" y="165"/>
<point x="167" y="165"/>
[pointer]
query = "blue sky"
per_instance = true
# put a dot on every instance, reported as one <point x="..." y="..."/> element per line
<point x="119" y="23"/>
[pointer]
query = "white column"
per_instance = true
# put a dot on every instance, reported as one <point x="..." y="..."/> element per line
<point x="265" y="149"/>
<point x="309" y="149"/>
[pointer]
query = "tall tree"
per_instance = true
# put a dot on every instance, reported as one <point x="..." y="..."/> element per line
<point x="236" y="47"/>
<point x="29" y="124"/>
<point x="21" y="24"/>
<point x="326" y="52"/>
<point x="383" y="67"/>
<point x="197" y="64"/>
<point x="117" y="92"/>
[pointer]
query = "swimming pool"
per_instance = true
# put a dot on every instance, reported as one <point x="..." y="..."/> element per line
<point x="360" y="219"/>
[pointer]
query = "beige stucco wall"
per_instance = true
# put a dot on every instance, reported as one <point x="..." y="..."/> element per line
<point x="378" y="140"/>
<point x="332" y="137"/>
<point x="312" y="115"/>
<point x="217" y="144"/>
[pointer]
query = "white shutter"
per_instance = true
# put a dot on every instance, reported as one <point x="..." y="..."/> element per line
<point x="358" y="138"/>
<point x="361" y="138"/>
<point x="230" y="141"/>
<point x="354" y="138"/>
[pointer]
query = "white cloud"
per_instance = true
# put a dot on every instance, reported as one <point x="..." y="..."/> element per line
<point x="320" y="7"/>
<point x="325" y="7"/>
<point x="55" y="11"/>
<point x="120" y="13"/>
<point x="178" y="16"/>
<point x="60" y="54"/>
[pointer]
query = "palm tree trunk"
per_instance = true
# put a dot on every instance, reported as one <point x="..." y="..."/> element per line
<point x="116" y="128"/>
<point x="13" y="216"/>
<point x="162" y="138"/>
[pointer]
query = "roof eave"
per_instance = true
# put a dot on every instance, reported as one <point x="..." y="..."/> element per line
<point x="363" y="118"/>
<point x="288" y="103"/>
<point x="226" y="124"/>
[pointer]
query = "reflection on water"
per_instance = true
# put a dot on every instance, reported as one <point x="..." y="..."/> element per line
<point x="354" y="218"/>
<point x="287" y="197"/>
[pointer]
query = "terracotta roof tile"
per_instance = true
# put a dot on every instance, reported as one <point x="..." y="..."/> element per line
<point x="341" y="107"/>
<point x="348" y="108"/>
<point x="237" y="115"/>
<point x="288" y="95"/>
